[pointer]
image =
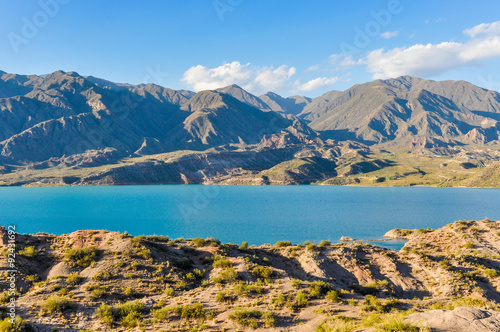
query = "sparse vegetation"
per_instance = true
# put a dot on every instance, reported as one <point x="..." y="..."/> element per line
<point x="175" y="290"/>
<point x="57" y="304"/>
<point x="82" y="257"/>
<point x="29" y="251"/>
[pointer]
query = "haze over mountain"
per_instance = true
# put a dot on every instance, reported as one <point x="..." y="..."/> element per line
<point x="67" y="119"/>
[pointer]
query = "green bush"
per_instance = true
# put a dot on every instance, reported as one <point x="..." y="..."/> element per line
<point x="73" y="279"/>
<point x="491" y="273"/>
<point x="228" y="276"/>
<point x="198" y="242"/>
<point x="247" y="290"/>
<point x="83" y="257"/>
<point x="262" y="272"/>
<point x="246" y="318"/>
<point x="302" y="299"/>
<point x="130" y="307"/>
<point x="19" y="325"/>
<point x="131" y="320"/>
<point x="184" y="263"/>
<point x="221" y="262"/>
<point x="283" y="244"/>
<point x="97" y="293"/>
<point x="244" y="245"/>
<point x="193" y="311"/>
<point x="128" y="291"/>
<point x="333" y="296"/>
<point x="199" y="274"/>
<point x="105" y="313"/>
<point x="101" y="275"/>
<point x="63" y="291"/>
<point x="338" y="324"/>
<point x="29" y="251"/>
<point x="278" y="301"/>
<point x="188" y="311"/>
<point x="318" y="289"/>
<point x="57" y="304"/>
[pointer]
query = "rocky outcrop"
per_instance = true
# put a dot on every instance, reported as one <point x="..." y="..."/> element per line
<point x="461" y="319"/>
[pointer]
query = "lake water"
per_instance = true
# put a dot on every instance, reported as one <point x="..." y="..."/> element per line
<point x="257" y="214"/>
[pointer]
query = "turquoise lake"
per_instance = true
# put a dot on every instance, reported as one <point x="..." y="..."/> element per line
<point x="257" y="214"/>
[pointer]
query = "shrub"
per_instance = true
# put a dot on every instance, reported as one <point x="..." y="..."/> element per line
<point x="296" y="283"/>
<point x="31" y="277"/>
<point x="283" y="244"/>
<point x="128" y="291"/>
<point x="491" y="273"/>
<point x="247" y="290"/>
<point x="311" y="247"/>
<point x="318" y="289"/>
<point x="198" y="242"/>
<point x="333" y="296"/>
<point x="396" y="322"/>
<point x="324" y="243"/>
<point x="262" y="272"/>
<point x="105" y="313"/>
<point x="29" y="251"/>
<point x="97" y="293"/>
<point x="228" y="276"/>
<point x="469" y="245"/>
<point x="145" y="253"/>
<point x="302" y="299"/>
<point x="101" y="275"/>
<point x="244" y="245"/>
<point x="269" y="319"/>
<point x="169" y="291"/>
<point x="193" y="311"/>
<point x="130" y="307"/>
<point x="338" y="324"/>
<point x="163" y="313"/>
<point x="220" y="262"/>
<point x="82" y="257"/>
<point x="474" y="230"/>
<point x="19" y="325"/>
<point x="198" y="274"/>
<point x="131" y="320"/>
<point x="278" y="301"/>
<point x="445" y="264"/>
<point x="246" y="318"/>
<point x="183" y="263"/>
<point x="57" y="304"/>
<point x="134" y="266"/>
<point x="73" y="279"/>
<point x="63" y="291"/>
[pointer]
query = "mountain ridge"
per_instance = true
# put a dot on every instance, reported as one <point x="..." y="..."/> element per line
<point x="64" y="119"/>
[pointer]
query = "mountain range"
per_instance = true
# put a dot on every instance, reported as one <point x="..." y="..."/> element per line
<point x="66" y="121"/>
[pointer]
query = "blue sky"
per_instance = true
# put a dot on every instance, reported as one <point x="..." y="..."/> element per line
<point x="290" y="47"/>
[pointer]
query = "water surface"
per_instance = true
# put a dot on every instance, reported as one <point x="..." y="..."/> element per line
<point x="257" y="214"/>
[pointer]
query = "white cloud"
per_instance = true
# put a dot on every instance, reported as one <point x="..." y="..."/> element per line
<point x="270" y="79"/>
<point x="491" y="29"/>
<point x="434" y="59"/>
<point x="317" y="83"/>
<point x="389" y="34"/>
<point x="314" y="67"/>
<point x="253" y="78"/>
